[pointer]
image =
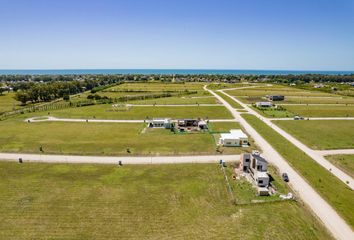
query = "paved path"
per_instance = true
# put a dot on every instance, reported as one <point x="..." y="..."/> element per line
<point x="313" y="118"/>
<point x="54" y="119"/>
<point x="310" y="152"/>
<point x="335" y="224"/>
<point x="114" y="160"/>
<point x="335" y="152"/>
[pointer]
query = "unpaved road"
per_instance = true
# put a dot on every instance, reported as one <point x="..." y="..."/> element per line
<point x="335" y="152"/>
<point x="312" y="118"/>
<point x="345" y="178"/>
<point x="54" y="119"/>
<point x="330" y="218"/>
<point x="114" y="160"/>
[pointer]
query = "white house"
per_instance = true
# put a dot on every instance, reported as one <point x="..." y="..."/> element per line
<point x="236" y="138"/>
<point x="160" y="123"/>
<point x="264" y="104"/>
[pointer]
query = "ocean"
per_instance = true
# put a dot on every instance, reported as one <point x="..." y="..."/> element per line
<point x="163" y="71"/>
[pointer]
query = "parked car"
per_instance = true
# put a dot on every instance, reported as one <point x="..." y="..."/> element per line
<point x="298" y="118"/>
<point x="285" y="177"/>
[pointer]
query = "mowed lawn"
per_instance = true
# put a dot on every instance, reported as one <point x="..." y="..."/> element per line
<point x="102" y="139"/>
<point x="157" y="86"/>
<point x="334" y="191"/>
<point x="58" y="201"/>
<point x="7" y="102"/>
<point x="321" y="134"/>
<point x="344" y="162"/>
<point x="106" y="111"/>
<point x="322" y="110"/>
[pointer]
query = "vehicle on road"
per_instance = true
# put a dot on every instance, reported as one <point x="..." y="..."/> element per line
<point x="285" y="177"/>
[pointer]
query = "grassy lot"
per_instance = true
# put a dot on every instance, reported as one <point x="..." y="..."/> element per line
<point x="344" y="162"/>
<point x="188" y="99"/>
<point x="274" y="113"/>
<point x="8" y="103"/>
<point x="320" y="100"/>
<point x="102" y="139"/>
<point x="158" y="86"/>
<point x="261" y="92"/>
<point x="326" y="184"/>
<point x="58" y="201"/>
<point x="323" y="134"/>
<point x="106" y="111"/>
<point x="230" y="101"/>
<point x="223" y="126"/>
<point x="322" y="110"/>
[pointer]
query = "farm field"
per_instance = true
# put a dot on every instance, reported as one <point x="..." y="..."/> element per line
<point x="103" y="139"/>
<point x="344" y="162"/>
<point x="335" y="192"/>
<point x="321" y="134"/>
<point x="186" y="201"/>
<point x="106" y="111"/>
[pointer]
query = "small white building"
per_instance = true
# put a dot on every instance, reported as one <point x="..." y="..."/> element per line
<point x="264" y="104"/>
<point x="160" y="123"/>
<point x="236" y="138"/>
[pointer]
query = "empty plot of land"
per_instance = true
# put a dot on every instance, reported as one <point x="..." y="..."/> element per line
<point x="107" y="111"/>
<point x="321" y="134"/>
<point x="139" y="202"/>
<point x="321" y="110"/>
<point x="319" y="100"/>
<point x="157" y="86"/>
<point x="344" y="162"/>
<point x="103" y="139"/>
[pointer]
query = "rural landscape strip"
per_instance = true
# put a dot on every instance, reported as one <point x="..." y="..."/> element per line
<point x="331" y="188"/>
<point x="345" y="178"/>
<point x="115" y="160"/>
<point x="325" y="212"/>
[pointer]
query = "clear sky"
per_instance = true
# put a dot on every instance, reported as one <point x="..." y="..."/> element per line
<point x="216" y="34"/>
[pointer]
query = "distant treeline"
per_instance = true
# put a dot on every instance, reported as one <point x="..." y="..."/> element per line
<point x="114" y="78"/>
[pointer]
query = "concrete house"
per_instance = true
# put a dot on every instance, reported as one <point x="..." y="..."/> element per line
<point x="257" y="167"/>
<point x="160" y="123"/>
<point x="236" y="138"/>
<point x="264" y="104"/>
<point x="191" y="125"/>
<point x="276" y="97"/>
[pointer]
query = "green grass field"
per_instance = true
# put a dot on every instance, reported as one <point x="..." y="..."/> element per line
<point x="158" y="86"/>
<point x="274" y="113"/>
<point x="102" y="139"/>
<point x="320" y="100"/>
<point x="223" y="126"/>
<point x="106" y="111"/>
<point x="326" y="184"/>
<point x="230" y="101"/>
<point x="58" y="201"/>
<point x="322" y="134"/>
<point x="344" y="162"/>
<point x="188" y="99"/>
<point x="8" y="103"/>
<point x="321" y="110"/>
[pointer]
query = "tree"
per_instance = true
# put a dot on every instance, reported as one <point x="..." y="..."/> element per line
<point x="22" y="97"/>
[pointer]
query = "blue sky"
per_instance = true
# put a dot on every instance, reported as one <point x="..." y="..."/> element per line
<point x="216" y="34"/>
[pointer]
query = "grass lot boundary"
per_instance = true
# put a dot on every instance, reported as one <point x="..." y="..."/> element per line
<point x="327" y="185"/>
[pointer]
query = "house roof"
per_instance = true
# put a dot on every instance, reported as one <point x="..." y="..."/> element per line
<point x="234" y="134"/>
<point x="262" y="174"/>
<point x="259" y="158"/>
